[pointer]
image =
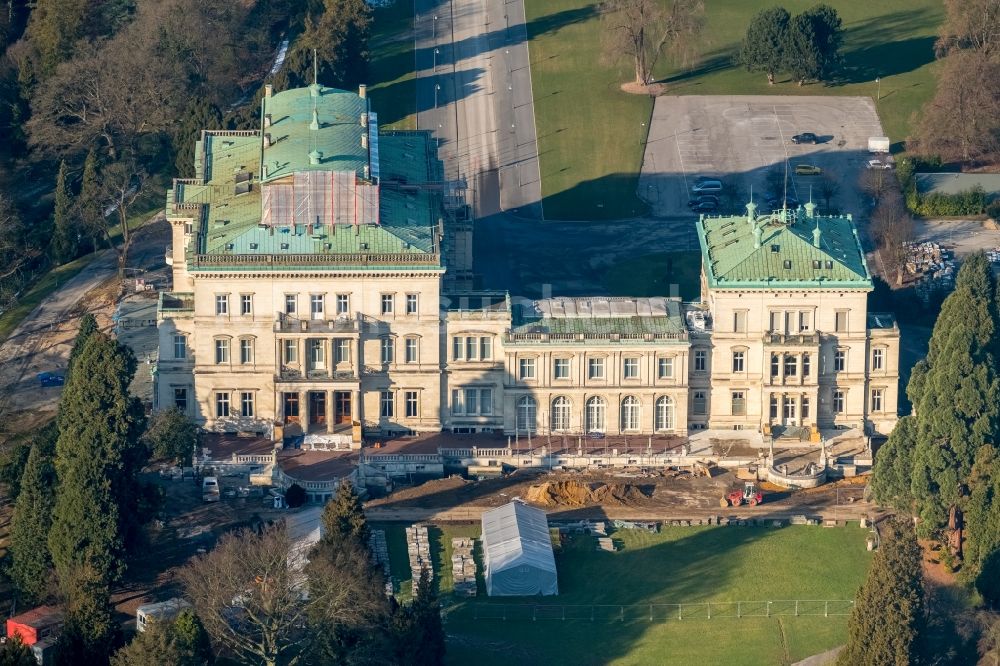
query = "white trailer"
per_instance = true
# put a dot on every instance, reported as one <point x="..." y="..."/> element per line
<point x="162" y="611"/>
<point x="878" y="144"/>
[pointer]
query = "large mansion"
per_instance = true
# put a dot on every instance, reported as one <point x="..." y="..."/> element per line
<point x="319" y="285"/>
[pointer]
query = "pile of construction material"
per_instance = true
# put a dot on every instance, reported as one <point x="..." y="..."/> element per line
<point x="993" y="255"/>
<point x="933" y="265"/>
<point x="380" y="551"/>
<point x="651" y="527"/>
<point x="418" y="546"/>
<point x="463" y="566"/>
<point x="606" y="544"/>
<point x="574" y="493"/>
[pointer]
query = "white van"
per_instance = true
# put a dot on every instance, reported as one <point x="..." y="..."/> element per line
<point x="707" y="187"/>
<point x="210" y="489"/>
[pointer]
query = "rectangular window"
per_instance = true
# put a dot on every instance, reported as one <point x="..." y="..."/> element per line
<point x="876" y="400"/>
<point x="291" y="351"/>
<point x="840" y="321"/>
<point x="457" y="348"/>
<point x="181" y="399"/>
<point x="411" y="350"/>
<point x="410" y="399"/>
<point x="838" y="402"/>
<point x="221" y="405"/>
<point x="388" y="304"/>
<point x="222" y="350"/>
<point x="805" y="321"/>
<point x="806" y="365"/>
<point x="222" y="304"/>
<point x="775" y="365"/>
<point x="878" y="359"/>
<point x="246" y="351"/>
<point x="700" y="360"/>
<point x="317" y="352"/>
<point x="343" y="304"/>
<point x="246" y="404"/>
<point x="560" y="368"/>
<point x="738" y="361"/>
<point x="388" y="350"/>
<point x="699" y="403"/>
<point x="805" y="408"/>
<point x="665" y="368"/>
<point x="291" y="304"/>
<point x="839" y="360"/>
<point x="471" y="349"/>
<point x="595" y="368"/>
<point x="341" y="350"/>
<point x="457" y="402"/>
<point x="246" y="304"/>
<point x="317" y="305"/>
<point x="740" y="321"/>
<point x="411" y="304"/>
<point x="386" y="405"/>
<point x="739" y="403"/>
<point x="791" y="365"/>
<point x="774" y="406"/>
<point x="776" y="319"/>
<point x="486" y="401"/>
<point x="485" y="348"/>
<point x="789" y="408"/>
<point x="471" y="401"/>
<point x="526" y="368"/>
<point x="630" y="368"/>
<point x="180" y="346"/>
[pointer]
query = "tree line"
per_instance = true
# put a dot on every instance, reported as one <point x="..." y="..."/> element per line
<point x="99" y="97"/>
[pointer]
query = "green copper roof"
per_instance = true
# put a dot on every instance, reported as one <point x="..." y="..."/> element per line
<point x="225" y="197"/>
<point x="783" y="253"/>
<point x="337" y="137"/>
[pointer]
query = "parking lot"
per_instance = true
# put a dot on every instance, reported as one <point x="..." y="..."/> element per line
<point x="741" y="138"/>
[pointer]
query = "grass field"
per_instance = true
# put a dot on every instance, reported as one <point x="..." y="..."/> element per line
<point x="590" y="157"/>
<point x="49" y="283"/>
<point x="653" y="275"/>
<point x="677" y="565"/>
<point x="392" y="82"/>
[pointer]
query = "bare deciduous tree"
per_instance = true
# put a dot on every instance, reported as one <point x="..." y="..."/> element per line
<point x="644" y="30"/>
<point x="827" y="190"/>
<point x="892" y="230"/>
<point x="970" y="24"/>
<point x="122" y="183"/>
<point x="962" y="121"/>
<point x="876" y="182"/>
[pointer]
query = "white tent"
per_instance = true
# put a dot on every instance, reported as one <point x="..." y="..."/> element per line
<point x="518" y="552"/>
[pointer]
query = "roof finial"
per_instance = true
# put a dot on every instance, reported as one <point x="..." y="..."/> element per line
<point x="751" y="208"/>
<point x="314" y="87"/>
<point x="811" y="207"/>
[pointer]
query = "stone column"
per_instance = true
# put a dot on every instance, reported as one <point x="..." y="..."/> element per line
<point x="304" y="410"/>
<point x="329" y="410"/>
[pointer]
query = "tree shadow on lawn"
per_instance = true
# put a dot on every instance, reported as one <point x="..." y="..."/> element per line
<point x="610" y="594"/>
<point x="886" y="59"/>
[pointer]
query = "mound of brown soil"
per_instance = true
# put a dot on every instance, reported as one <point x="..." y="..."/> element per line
<point x="618" y="493"/>
<point x="574" y="493"/>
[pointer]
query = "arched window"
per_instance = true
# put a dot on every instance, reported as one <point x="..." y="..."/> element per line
<point x="596" y="408"/>
<point x="630" y="413"/>
<point x="526" y="410"/>
<point x="560" y="413"/>
<point x="664" y="413"/>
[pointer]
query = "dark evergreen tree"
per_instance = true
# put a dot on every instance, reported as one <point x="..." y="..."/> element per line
<point x="13" y="652"/>
<point x="338" y="31"/>
<point x="812" y="49"/>
<point x="90" y="633"/>
<point x="192" y="640"/>
<point x="152" y="647"/>
<point x="988" y="581"/>
<point x="951" y="438"/>
<point x="888" y="614"/>
<point x="763" y="48"/>
<point x="295" y="496"/>
<point x="172" y="436"/>
<point x="418" y="633"/>
<point x="65" y="241"/>
<point x="89" y="202"/>
<point x="53" y="28"/>
<point x="344" y="517"/>
<point x="200" y="115"/>
<point x="88" y="326"/>
<point x="29" y="549"/>
<point x="98" y="457"/>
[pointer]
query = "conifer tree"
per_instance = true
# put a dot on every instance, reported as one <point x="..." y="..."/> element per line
<point x="97" y="461"/>
<point x="344" y="516"/>
<point x="888" y="614"/>
<point x="64" y="230"/>
<point x="200" y="115"/>
<point x="951" y="439"/>
<point x="763" y="48"/>
<point x="88" y="326"/>
<point x="418" y="635"/>
<point x="14" y="652"/>
<point x="89" y="201"/>
<point x="29" y="549"/>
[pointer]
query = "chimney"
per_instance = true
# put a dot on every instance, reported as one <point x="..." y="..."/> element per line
<point x="810" y="209"/>
<point x="363" y="91"/>
<point x="364" y="141"/>
<point x="367" y="171"/>
<point x="364" y="120"/>
<point x="757" y="234"/>
<point x="817" y="235"/>
<point x="268" y="90"/>
<point x="751" y="212"/>
<point x="314" y="157"/>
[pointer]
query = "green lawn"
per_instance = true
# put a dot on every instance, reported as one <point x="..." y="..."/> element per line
<point x="591" y="155"/>
<point x="677" y="565"/>
<point x="392" y="82"/>
<point x="653" y="275"/>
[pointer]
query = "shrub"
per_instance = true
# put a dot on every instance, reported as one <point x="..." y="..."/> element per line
<point x="295" y="496"/>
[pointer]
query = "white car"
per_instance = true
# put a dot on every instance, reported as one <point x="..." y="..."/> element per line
<point x="880" y="164"/>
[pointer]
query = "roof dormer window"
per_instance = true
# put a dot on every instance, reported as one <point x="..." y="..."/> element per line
<point x="775" y="248"/>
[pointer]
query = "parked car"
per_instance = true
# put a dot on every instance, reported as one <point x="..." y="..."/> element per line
<point x="47" y="379"/>
<point x="880" y="164"/>
<point x="774" y="203"/>
<point x="807" y="170"/>
<point x="707" y="187"/>
<point x="805" y="137"/>
<point x="709" y="198"/>
<point x="705" y="207"/>
<point x="210" y="489"/>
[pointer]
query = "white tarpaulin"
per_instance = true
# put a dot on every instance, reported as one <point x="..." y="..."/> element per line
<point x="517" y="552"/>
